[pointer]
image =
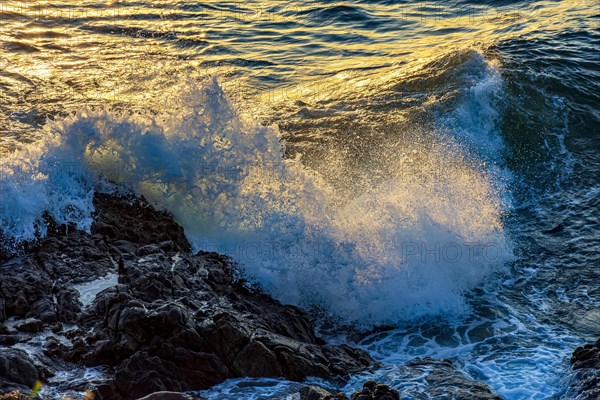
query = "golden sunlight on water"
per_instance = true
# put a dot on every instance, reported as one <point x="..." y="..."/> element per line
<point x="54" y="55"/>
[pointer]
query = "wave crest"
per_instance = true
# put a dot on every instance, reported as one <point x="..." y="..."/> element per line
<point x="399" y="248"/>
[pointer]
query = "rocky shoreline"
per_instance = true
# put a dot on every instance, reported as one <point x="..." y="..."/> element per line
<point x="160" y="320"/>
<point x="586" y="366"/>
<point x="174" y="321"/>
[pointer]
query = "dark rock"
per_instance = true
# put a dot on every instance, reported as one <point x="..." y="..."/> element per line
<point x="313" y="393"/>
<point x="17" y="371"/>
<point x="585" y="362"/>
<point x="587" y="356"/>
<point x="168" y="246"/>
<point x="7" y="330"/>
<point x="54" y="348"/>
<point x="374" y="391"/>
<point x="16" y="395"/>
<point x="148" y="249"/>
<point x="57" y="327"/>
<point x="339" y="396"/>
<point x="185" y="370"/>
<point x="30" y="325"/>
<point x="154" y="331"/>
<point x="20" y="306"/>
<point x="67" y="305"/>
<point x="445" y="381"/>
<point x="2" y="308"/>
<point x="166" y="396"/>
<point x="9" y="340"/>
<point x="135" y="221"/>
<point x="370" y="385"/>
<point x="343" y="359"/>
<point x="165" y="326"/>
<point x="122" y="271"/>
<point x="105" y="391"/>
<point x="45" y="310"/>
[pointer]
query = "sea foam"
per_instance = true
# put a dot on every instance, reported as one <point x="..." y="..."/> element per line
<point x="405" y="247"/>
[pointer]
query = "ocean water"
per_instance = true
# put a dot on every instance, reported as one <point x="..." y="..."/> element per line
<point x="429" y="166"/>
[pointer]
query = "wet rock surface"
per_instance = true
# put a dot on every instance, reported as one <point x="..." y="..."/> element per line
<point x="15" y="395"/>
<point x="444" y="381"/>
<point x="17" y="370"/>
<point x="166" y="396"/>
<point x="313" y="393"/>
<point x="585" y="362"/>
<point x="375" y="391"/>
<point x="431" y="379"/>
<point x="175" y="322"/>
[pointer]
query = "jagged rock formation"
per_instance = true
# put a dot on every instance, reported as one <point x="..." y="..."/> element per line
<point x="176" y="321"/>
